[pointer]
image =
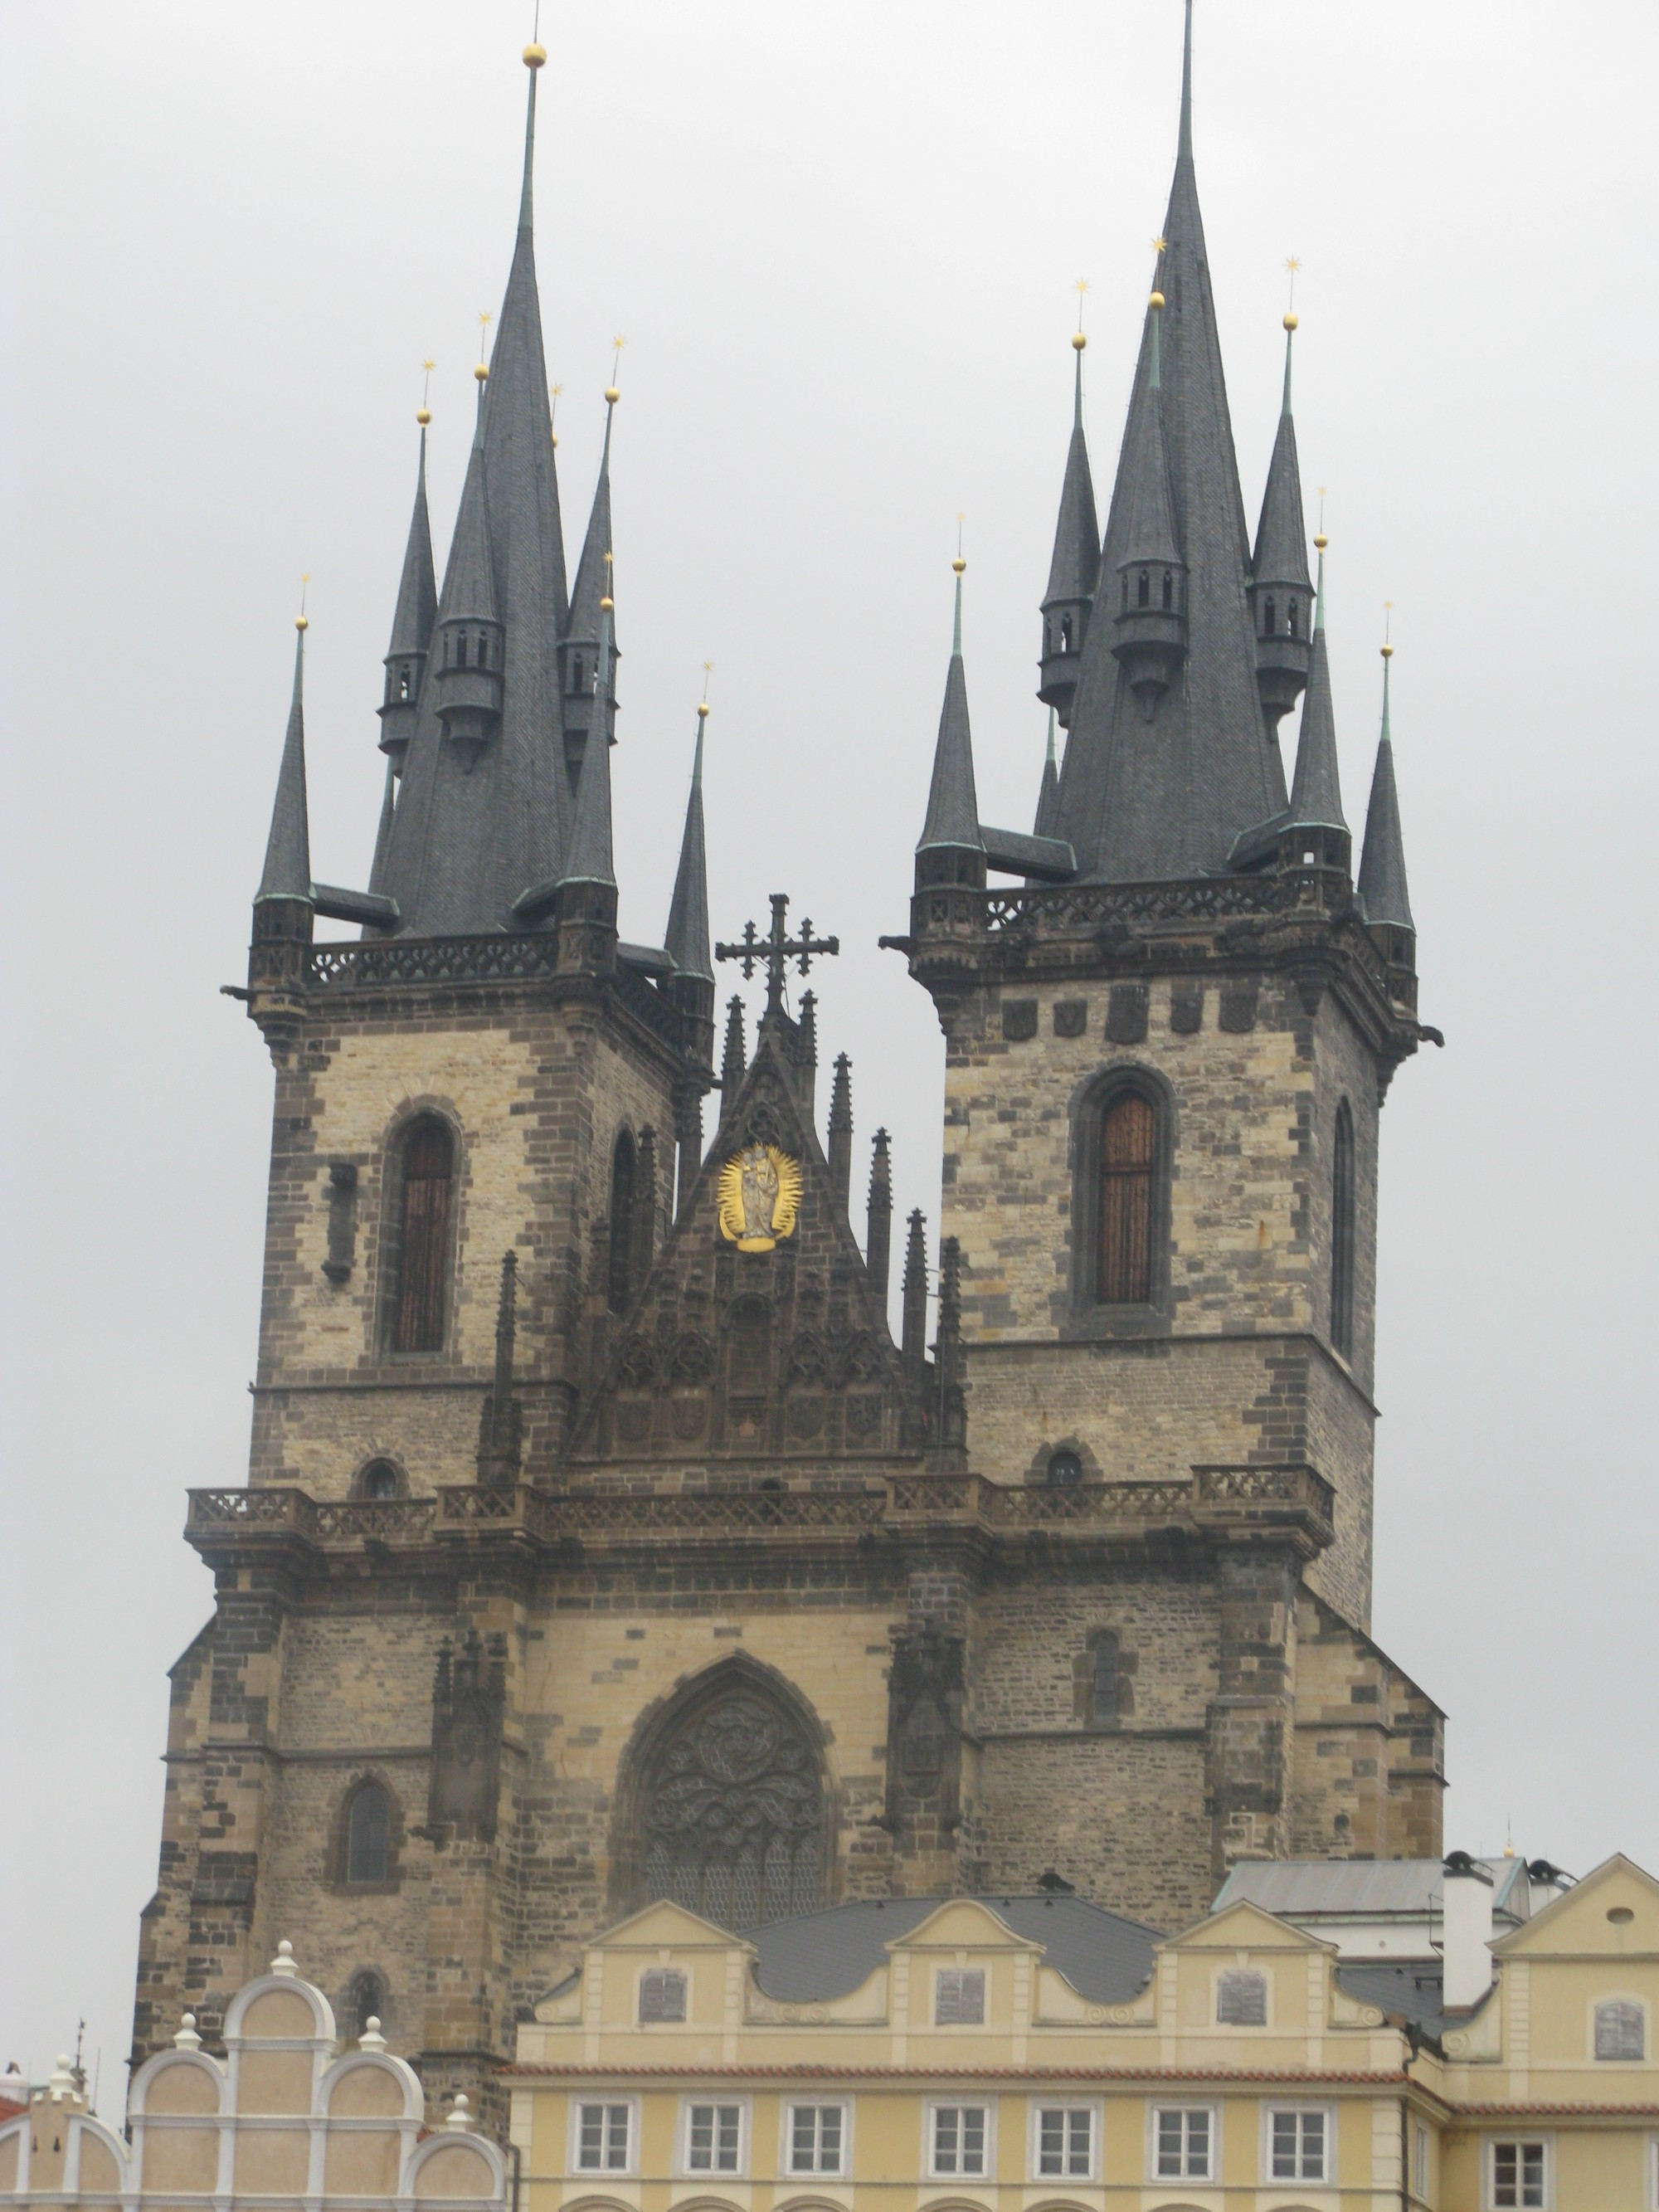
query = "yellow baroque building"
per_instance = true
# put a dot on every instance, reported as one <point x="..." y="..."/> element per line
<point x="1038" y="2054"/>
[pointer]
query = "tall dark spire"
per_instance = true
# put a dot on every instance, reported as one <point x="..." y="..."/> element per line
<point x="1073" y="567"/>
<point x="952" y="824"/>
<point x="687" y="937"/>
<point x="1149" y="605"/>
<point x="412" y="619"/>
<point x="1382" y="859"/>
<point x="579" y="647"/>
<point x="1048" y="806"/>
<point x="1280" y="591"/>
<point x="479" y="820"/>
<point x="1167" y="797"/>
<point x="287" y="874"/>
<point x="1316" y="794"/>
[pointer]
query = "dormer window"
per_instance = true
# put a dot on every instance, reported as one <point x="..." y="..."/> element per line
<point x="959" y="1996"/>
<point x="662" y="1994"/>
<point x="1241" y="1998"/>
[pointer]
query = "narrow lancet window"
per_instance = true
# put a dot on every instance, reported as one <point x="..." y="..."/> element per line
<point x="1342" y="1238"/>
<point x="1127" y="1165"/>
<point x="1144" y="594"/>
<point x="1270" y="618"/>
<point x="369" y="1837"/>
<point x="429" y="1173"/>
<point x="621" y="1224"/>
<point x="1103" y="1680"/>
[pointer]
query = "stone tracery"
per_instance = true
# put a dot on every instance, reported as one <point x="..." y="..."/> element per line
<point x="733" y="1814"/>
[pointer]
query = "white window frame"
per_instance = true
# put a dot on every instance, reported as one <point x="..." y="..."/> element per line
<point x="573" y="2159"/>
<point x="1622" y="1997"/>
<point x="1653" y="2172"/>
<point x="1038" y="2106"/>
<point x="788" y="2170"/>
<point x="717" y="2102"/>
<point x="1420" y="2154"/>
<point x="967" y="2103"/>
<point x="1489" y="2168"/>
<point x="639" y="1996"/>
<point x="1154" y="2106"/>
<point x="963" y="1974"/>
<point x="1324" y="2180"/>
<point x="1243" y="2026"/>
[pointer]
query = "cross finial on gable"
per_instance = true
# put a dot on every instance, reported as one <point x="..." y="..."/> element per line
<point x="776" y="951"/>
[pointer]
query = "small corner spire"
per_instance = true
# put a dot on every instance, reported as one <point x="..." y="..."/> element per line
<point x="1316" y="794"/>
<point x="1382" y="885"/>
<point x="914" y="1293"/>
<point x="734" y="1058"/>
<point x="840" y="1130"/>
<point x="589" y="860"/>
<point x="415" y="613"/>
<point x="687" y="936"/>
<point x="952" y="820"/>
<point x="287" y="873"/>
<point x="878" y="1231"/>
<point x="1046" y="823"/>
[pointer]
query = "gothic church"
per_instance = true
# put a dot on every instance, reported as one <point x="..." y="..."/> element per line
<point x="600" y="1542"/>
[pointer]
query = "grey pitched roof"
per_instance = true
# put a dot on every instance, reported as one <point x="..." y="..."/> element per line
<point x="1383" y="861"/>
<point x="287" y="849"/>
<point x="1048" y="806"/>
<point x="418" y="593"/>
<point x="1167" y="797"/>
<point x="469" y="836"/>
<point x="1317" y="794"/>
<point x="1308" y="1891"/>
<point x="1106" y="1958"/>
<point x="1076" y="559"/>
<point x="1281" y="536"/>
<point x="952" y="802"/>
<point x="687" y="935"/>
<point x="592" y="584"/>
<point x="1413" y="1990"/>
<point x="588" y="859"/>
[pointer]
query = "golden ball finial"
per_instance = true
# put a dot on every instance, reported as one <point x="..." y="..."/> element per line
<point x="1321" y="542"/>
<point x="958" y="564"/>
<point x="1292" y="321"/>
<point x="702" y="709"/>
<point x="1079" y="340"/>
<point x="1388" y="652"/>
<point x="1155" y="300"/>
<point x="606" y="604"/>
<point x="482" y="372"/>
<point x="611" y="395"/>
<point x="556" y="437"/>
<point x="423" y="415"/>
<point x="302" y="622"/>
<point x="534" y="56"/>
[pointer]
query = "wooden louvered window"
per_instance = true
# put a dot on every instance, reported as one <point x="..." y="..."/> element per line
<point x="1342" y="1233"/>
<point x="1128" y="1166"/>
<point x="428" y="1175"/>
<point x="623" y="1180"/>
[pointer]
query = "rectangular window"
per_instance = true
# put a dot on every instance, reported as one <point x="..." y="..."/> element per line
<point x="959" y="1996"/>
<point x="958" y="2136"/>
<point x="1420" y="2162"/>
<point x="1182" y="2139"/>
<point x="602" y="2138"/>
<point x="662" y="1994"/>
<point x="1518" y="2173"/>
<point x="713" y="2138"/>
<point x="1298" y="2145"/>
<point x="818" y="2135"/>
<point x="1066" y="2140"/>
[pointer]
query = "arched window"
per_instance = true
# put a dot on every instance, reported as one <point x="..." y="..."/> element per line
<point x="575" y="672"/>
<point x="1241" y="1998"/>
<point x="1169" y="590"/>
<point x="365" y="2001"/>
<point x="1066" y="633"/>
<point x="369" y="1837"/>
<point x="484" y="648"/>
<point x="1125" y="595"/>
<point x="622" y="1180"/>
<point x="1270" y="617"/>
<point x="1342" y="1233"/>
<point x="1128" y="1156"/>
<point x="422" y="1257"/>
<point x="1064" y="1470"/>
<point x="1143" y="591"/>
<point x="662" y="1994"/>
<point x="1289" y="613"/>
<point x="728" y="1814"/>
<point x="460" y="648"/>
<point x="379" y="1478"/>
<point x="1103" y="1678"/>
<point x="1620" y="2030"/>
<point x="403" y="681"/>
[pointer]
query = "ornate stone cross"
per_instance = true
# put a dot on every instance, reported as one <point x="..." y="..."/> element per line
<point x="776" y="951"/>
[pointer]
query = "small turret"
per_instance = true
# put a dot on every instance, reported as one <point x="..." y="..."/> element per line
<point x="951" y="849"/>
<point x="284" y="904"/>
<point x="1280" y="592"/>
<point x="584" y="901"/>
<point x="691" y="985"/>
<point x="470" y="644"/>
<point x="578" y="648"/>
<point x="1047" y="806"/>
<point x="1316" y="831"/>
<point x="1149" y="618"/>
<point x="411" y="625"/>
<point x="1382" y="866"/>
<point x="1073" y="569"/>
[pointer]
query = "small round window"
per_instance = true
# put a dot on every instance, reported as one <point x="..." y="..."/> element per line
<point x="1065" y="1469"/>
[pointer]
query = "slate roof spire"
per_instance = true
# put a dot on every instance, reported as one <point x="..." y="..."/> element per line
<point x="287" y="873"/>
<point x="477" y="820"/>
<point x="1074" y="566"/>
<point x="412" y="620"/>
<point x="1165" y="799"/>
<point x="579" y="646"/>
<point x="687" y="937"/>
<point x="1316" y="794"/>
<point x="951" y="826"/>
<point x="589" y="860"/>
<point x="1048" y="806"/>
<point x="1382" y="857"/>
<point x="1280" y="590"/>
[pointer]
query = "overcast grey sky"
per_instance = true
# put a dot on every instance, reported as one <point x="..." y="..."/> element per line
<point x="841" y="242"/>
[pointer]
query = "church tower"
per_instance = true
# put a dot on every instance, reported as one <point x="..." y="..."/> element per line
<point x="600" y="1541"/>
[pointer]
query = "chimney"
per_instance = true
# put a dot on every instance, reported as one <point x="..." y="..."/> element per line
<point x="1465" y="1931"/>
